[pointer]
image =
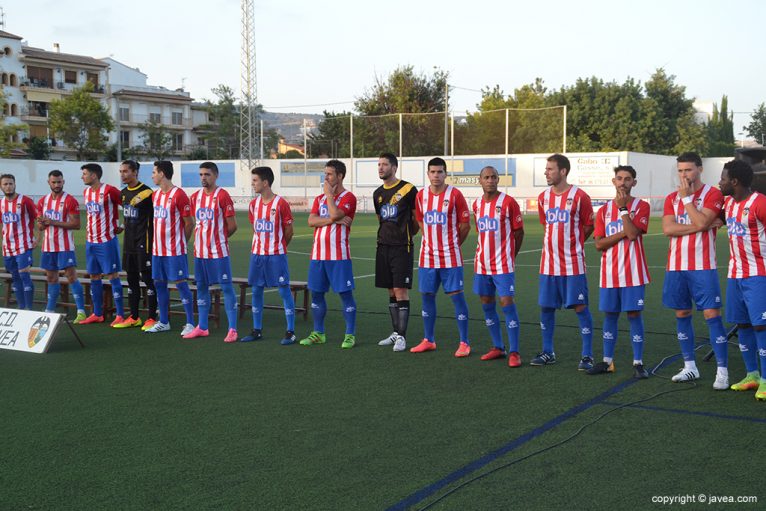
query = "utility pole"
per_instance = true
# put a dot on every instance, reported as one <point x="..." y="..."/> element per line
<point x="446" y="118"/>
<point x="248" y="115"/>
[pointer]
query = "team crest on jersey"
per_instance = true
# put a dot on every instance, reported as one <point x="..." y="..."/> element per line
<point x="570" y="201"/>
<point x="698" y="202"/>
<point x="745" y="212"/>
<point x="380" y="199"/>
<point x="498" y="209"/>
<point x="273" y="210"/>
<point x="445" y="203"/>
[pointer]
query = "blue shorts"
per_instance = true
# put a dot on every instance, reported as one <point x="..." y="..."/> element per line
<point x="701" y="286"/>
<point x="451" y="279"/>
<point x="487" y="285"/>
<point x="558" y="290"/>
<point x="338" y="274"/>
<point x="18" y="262"/>
<point x="55" y="261"/>
<point x="103" y="258"/>
<point x="170" y="268"/>
<point x="621" y="299"/>
<point x="268" y="271"/>
<point x="212" y="271"/>
<point x="746" y="301"/>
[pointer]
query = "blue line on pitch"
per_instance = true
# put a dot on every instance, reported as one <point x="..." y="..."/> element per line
<point x="458" y="474"/>
<point x="689" y="412"/>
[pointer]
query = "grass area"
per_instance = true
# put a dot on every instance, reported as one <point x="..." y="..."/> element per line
<point x="144" y="422"/>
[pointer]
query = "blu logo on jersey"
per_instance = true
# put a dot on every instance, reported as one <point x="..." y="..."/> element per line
<point x="10" y="217"/>
<point x="93" y="208"/>
<point x="264" y="226"/>
<point x="557" y="215"/>
<point x="735" y="228"/>
<point x="130" y="212"/>
<point x="324" y="212"/>
<point x="204" y="214"/>
<point x="160" y="212"/>
<point x="389" y="212"/>
<point x="435" y="218"/>
<point x="52" y="214"/>
<point x="613" y="227"/>
<point x="683" y="219"/>
<point x="488" y="224"/>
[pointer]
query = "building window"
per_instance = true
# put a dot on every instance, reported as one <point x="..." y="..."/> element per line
<point x="178" y="142"/>
<point x="40" y="76"/>
<point x="38" y="131"/>
<point x="5" y="78"/>
<point x="14" y="110"/>
<point x="125" y="139"/>
<point x="124" y="114"/>
<point x="155" y="118"/>
<point x="93" y="78"/>
<point x="177" y="118"/>
<point x="7" y="51"/>
<point x="14" y="81"/>
<point x="70" y="76"/>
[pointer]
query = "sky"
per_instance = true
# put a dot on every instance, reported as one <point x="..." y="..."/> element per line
<point x="327" y="53"/>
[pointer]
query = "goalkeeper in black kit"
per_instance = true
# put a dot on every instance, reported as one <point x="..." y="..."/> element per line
<point x="138" y="214"/>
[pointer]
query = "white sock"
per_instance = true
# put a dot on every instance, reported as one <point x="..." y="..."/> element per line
<point x="607" y="360"/>
<point x="636" y="362"/>
<point x="723" y="371"/>
<point x="690" y="365"/>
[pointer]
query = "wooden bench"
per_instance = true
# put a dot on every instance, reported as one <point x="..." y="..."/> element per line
<point x="296" y="286"/>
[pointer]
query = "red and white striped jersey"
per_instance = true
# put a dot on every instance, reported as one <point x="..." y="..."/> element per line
<point x="331" y="241"/>
<point x="102" y="217"/>
<point x="746" y="223"/>
<point x="269" y="220"/>
<point x="210" y="213"/>
<point x="18" y="224"/>
<point x="624" y="263"/>
<point x="440" y="216"/>
<point x="495" y="222"/>
<point x="170" y="208"/>
<point x="564" y="216"/>
<point x="693" y="251"/>
<point x="60" y="209"/>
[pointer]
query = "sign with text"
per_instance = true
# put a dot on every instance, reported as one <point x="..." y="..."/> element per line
<point x="587" y="170"/>
<point x="30" y="331"/>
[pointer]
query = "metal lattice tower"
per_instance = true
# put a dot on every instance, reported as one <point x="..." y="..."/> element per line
<point x="248" y="115"/>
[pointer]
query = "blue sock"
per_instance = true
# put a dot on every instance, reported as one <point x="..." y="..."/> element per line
<point x="686" y="337"/>
<point x="257" y="308"/>
<point x="289" y="304"/>
<point x="203" y="304"/>
<point x="117" y="294"/>
<point x="318" y="310"/>
<point x="461" y="314"/>
<point x="637" y="336"/>
<point x="163" y="300"/>
<point x="512" y="325"/>
<point x="18" y="290"/>
<point x="97" y="294"/>
<point x="493" y="324"/>
<point x="586" y="331"/>
<point x="609" y="334"/>
<point x="186" y="300"/>
<point x="53" y="296"/>
<point x="349" y="311"/>
<point x="548" y="325"/>
<point x="760" y="339"/>
<point x="429" y="316"/>
<point x="748" y="348"/>
<point x="718" y="340"/>
<point x="230" y="304"/>
<point x="29" y="289"/>
<point x="77" y="294"/>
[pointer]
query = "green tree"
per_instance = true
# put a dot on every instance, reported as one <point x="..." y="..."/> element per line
<point x="157" y="140"/>
<point x="332" y="136"/>
<point x="692" y="136"/>
<point x="38" y="148"/>
<point x="720" y="131"/>
<point x="8" y="132"/>
<point x="81" y="121"/>
<point x="757" y="126"/>
<point x="222" y="131"/>
<point x="666" y="107"/>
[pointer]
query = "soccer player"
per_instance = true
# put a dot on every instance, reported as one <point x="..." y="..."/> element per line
<point x="443" y="217"/>
<point x="102" y="249"/>
<point x="395" y="206"/>
<point x="331" y="216"/>
<point x="59" y="215"/>
<point x="173" y="225"/>
<point x="19" y="215"/>
<point x="272" y="222"/>
<point x="138" y="215"/>
<point x="691" y="276"/>
<point x="567" y="215"/>
<point x="745" y="213"/>
<point x="501" y="232"/>
<point x="213" y="210"/>
<point x="620" y="226"/>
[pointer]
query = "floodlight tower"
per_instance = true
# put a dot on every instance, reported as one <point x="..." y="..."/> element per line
<point x="248" y="113"/>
